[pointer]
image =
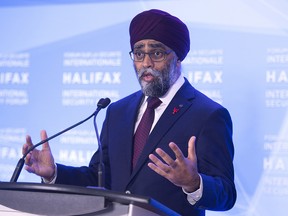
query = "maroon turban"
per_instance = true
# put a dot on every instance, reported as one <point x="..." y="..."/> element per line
<point x="163" y="27"/>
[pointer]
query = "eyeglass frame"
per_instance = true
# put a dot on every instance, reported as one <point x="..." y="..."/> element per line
<point x="165" y="54"/>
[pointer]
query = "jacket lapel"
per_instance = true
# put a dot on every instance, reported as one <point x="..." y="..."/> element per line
<point x="130" y="114"/>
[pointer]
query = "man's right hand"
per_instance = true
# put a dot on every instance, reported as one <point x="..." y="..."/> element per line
<point x="40" y="162"/>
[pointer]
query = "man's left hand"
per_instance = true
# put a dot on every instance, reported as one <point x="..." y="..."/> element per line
<point x="182" y="171"/>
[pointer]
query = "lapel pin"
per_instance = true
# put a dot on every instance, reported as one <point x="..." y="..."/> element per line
<point x="176" y="109"/>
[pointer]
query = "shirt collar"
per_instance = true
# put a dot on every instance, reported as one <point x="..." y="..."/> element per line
<point x="173" y="90"/>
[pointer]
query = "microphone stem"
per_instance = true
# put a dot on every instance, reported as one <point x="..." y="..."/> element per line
<point x="102" y="103"/>
<point x="101" y="166"/>
<point x="17" y="170"/>
<point x="20" y="163"/>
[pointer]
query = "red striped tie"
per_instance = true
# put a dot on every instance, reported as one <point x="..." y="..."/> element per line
<point x="144" y="127"/>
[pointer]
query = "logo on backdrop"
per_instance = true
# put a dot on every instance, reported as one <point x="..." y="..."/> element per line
<point x="275" y="162"/>
<point x="89" y="76"/>
<point x="204" y="69"/>
<point x="277" y="78"/>
<point x="14" y="78"/>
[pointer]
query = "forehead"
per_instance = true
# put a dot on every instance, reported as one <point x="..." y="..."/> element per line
<point x="148" y="43"/>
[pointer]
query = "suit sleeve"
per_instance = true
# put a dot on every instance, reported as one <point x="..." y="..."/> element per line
<point x="215" y="152"/>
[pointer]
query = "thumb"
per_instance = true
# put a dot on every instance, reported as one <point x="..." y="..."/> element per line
<point x="191" y="149"/>
<point x="43" y="135"/>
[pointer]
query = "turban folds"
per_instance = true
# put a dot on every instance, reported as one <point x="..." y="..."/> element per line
<point x="163" y="27"/>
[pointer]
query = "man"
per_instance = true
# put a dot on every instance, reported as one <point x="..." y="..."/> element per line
<point x="186" y="162"/>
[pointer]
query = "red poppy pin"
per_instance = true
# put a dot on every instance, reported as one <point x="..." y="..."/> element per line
<point x="176" y="109"/>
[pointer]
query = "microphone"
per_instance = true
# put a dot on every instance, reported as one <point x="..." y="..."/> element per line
<point x="102" y="103"/>
<point x="101" y="166"/>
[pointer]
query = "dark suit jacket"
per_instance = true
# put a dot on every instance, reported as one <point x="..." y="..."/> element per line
<point x="199" y="116"/>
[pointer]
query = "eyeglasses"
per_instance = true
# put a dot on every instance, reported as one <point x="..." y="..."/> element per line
<point x="155" y="56"/>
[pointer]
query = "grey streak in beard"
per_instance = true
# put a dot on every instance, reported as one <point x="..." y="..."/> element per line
<point x="156" y="87"/>
<point x="162" y="82"/>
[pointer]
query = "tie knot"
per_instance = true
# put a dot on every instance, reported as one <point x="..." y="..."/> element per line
<point x="153" y="102"/>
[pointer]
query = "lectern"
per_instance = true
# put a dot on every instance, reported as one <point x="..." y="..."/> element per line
<point x="56" y="200"/>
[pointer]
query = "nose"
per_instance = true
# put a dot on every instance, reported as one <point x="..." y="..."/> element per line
<point x="147" y="61"/>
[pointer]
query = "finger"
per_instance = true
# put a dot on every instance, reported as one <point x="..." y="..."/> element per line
<point x="158" y="166"/>
<point x="43" y="135"/>
<point x="28" y="159"/>
<point x="178" y="153"/>
<point x="24" y="148"/>
<point x="27" y="145"/>
<point x="192" y="149"/>
<point x="29" y="162"/>
<point x="155" y="160"/>
<point x="156" y="169"/>
<point x="29" y="141"/>
<point x="164" y="156"/>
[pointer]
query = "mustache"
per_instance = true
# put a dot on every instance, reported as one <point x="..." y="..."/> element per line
<point x="144" y="71"/>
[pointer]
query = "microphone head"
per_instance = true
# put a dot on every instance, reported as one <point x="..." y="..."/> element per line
<point x="103" y="103"/>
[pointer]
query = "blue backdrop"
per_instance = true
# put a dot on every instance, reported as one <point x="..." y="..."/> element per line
<point x="58" y="58"/>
